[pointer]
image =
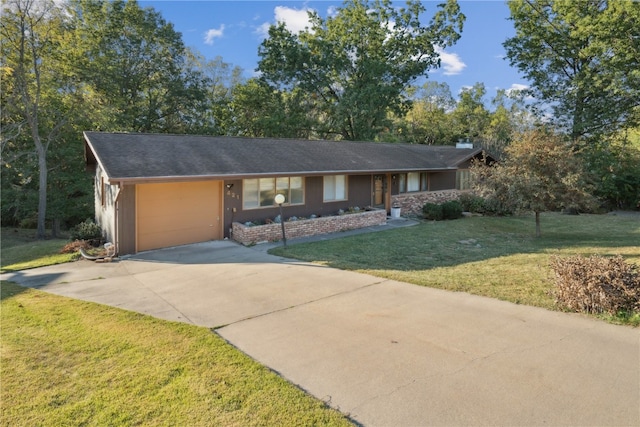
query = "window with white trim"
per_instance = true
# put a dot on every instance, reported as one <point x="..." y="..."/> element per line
<point x="261" y="192"/>
<point x="334" y="188"/>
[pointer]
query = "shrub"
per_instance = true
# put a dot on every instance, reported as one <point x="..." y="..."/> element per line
<point x="87" y="230"/>
<point x="493" y="206"/>
<point x="596" y="284"/>
<point x="432" y="211"/>
<point x="471" y="203"/>
<point x="29" y="222"/>
<point x="73" y="247"/>
<point x="452" y="209"/>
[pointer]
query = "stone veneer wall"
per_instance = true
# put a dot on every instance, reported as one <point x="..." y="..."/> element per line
<point x="412" y="203"/>
<point x="306" y="227"/>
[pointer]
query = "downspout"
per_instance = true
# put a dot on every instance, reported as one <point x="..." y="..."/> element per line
<point x="116" y="234"/>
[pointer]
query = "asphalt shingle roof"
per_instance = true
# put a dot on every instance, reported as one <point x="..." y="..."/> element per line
<point x="132" y="156"/>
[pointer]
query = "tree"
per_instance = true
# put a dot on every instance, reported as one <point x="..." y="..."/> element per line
<point x="470" y="117"/>
<point x="35" y="107"/>
<point x="540" y="172"/>
<point x="259" y="110"/>
<point x="357" y="64"/>
<point x="583" y="59"/>
<point x="76" y="65"/>
<point x="140" y="67"/>
<point x="222" y="79"/>
<point x="509" y="117"/>
<point x="614" y="163"/>
<point x="429" y="121"/>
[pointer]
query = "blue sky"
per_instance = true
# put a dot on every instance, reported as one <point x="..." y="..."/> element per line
<point x="233" y="30"/>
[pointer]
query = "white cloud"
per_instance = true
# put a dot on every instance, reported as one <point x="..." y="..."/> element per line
<point x="516" y="87"/>
<point x="213" y="33"/>
<point x="263" y="30"/>
<point x="332" y="11"/>
<point x="295" y="20"/>
<point x="450" y="62"/>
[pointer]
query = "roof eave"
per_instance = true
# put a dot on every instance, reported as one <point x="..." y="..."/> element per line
<point x="187" y="178"/>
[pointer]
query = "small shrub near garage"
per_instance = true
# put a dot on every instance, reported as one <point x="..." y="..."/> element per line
<point x="86" y="230"/>
<point x="596" y="284"/>
<point x="432" y="211"/>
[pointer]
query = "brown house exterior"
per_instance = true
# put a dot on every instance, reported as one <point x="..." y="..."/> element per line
<point x="159" y="190"/>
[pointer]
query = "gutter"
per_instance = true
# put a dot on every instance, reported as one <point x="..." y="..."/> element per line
<point x="188" y="178"/>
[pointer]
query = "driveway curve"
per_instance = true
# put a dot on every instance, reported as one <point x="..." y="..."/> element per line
<point x="386" y="353"/>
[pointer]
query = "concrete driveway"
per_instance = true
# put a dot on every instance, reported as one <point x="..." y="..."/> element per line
<point x="383" y="352"/>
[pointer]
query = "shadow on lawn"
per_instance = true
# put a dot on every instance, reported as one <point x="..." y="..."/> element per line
<point x="9" y="290"/>
<point x="453" y="243"/>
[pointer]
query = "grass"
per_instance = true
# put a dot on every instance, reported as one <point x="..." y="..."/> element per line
<point x="488" y="256"/>
<point x="21" y="250"/>
<point x="68" y="362"/>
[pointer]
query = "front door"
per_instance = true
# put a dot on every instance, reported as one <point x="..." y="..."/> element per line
<point x="378" y="191"/>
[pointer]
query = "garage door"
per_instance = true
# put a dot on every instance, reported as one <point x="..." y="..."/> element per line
<point x="177" y="214"/>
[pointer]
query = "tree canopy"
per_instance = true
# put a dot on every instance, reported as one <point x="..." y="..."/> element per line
<point x="357" y="64"/>
<point x="138" y="65"/>
<point x="78" y="65"/>
<point x="73" y="65"/>
<point x="39" y="98"/>
<point x="540" y="172"/>
<point x="583" y="59"/>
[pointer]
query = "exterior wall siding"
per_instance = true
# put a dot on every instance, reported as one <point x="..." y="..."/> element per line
<point x="309" y="227"/>
<point x="126" y="211"/>
<point x="358" y="194"/>
<point x="439" y="181"/>
<point x="105" y="213"/>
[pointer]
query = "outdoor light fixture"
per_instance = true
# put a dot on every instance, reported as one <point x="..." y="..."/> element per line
<point x="279" y="199"/>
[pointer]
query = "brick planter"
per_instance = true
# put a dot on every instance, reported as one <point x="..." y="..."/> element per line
<point x="412" y="203"/>
<point x="248" y="235"/>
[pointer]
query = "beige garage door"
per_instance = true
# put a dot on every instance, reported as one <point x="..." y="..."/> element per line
<point x="177" y="214"/>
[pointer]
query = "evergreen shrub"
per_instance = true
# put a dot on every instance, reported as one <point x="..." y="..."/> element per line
<point x="86" y="230"/>
<point x="432" y="211"/>
<point x="452" y="209"/>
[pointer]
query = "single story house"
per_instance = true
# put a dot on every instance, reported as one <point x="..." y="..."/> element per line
<point x="159" y="190"/>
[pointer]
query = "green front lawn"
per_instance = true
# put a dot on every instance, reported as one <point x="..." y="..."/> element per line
<point x="21" y="250"/>
<point x="65" y="362"/>
<point x="490" y="256"/>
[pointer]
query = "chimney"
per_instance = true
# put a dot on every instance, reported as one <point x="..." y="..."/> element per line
<point x="466" y="144"/>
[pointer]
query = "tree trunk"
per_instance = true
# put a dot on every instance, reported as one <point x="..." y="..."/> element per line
<point x="55" y="228"/>
<point x="42" y="190"/>
<point x="538" y="231"/>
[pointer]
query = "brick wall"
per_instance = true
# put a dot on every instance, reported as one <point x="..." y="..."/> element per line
<point x="411" y="203"/>
<point x="307" y="227"/>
